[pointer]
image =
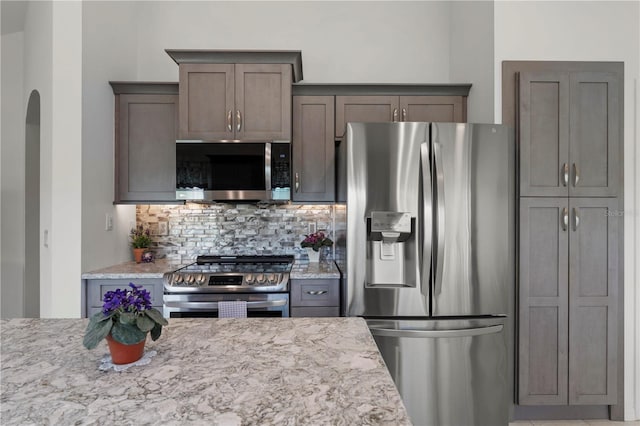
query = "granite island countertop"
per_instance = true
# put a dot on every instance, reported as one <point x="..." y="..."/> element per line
<point x="266" y="371"/>
<point x="130" y="270"/>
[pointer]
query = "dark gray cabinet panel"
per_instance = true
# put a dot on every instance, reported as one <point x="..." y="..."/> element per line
<point x="365" y="109"/>
<point x="398" y="108"/>
<point x="145" y="150"/>
<point x="568" y="319"/>
<point x="235" y="101"/>
<point x="593" y="300"/>
<point x="313" y="148"/>
<point x="315" y="297"/>
<point x="449" y="109"/>
<point x="544" y="133"/>
<point x="543" y="301"/>
<point x="569" y="133"/>
<point x="594" y="145"/>
<point x="96" y="289"/>
<point x="263" y="101"/>
<point x="206" y="101"/>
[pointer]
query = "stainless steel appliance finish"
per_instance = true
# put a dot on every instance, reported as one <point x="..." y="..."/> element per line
<point x="449" y="372"/>
<point x="233" y="170"/>
<point x="430" y="238"/>
<point x="261" y="281"/>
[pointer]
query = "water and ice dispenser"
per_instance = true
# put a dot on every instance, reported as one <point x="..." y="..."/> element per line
<point x="387" y="233"/>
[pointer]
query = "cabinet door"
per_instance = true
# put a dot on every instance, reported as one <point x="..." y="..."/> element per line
<point x="206" y="101"/>
<point x="543" y="109"/>
<point x="595" y="134"/>
<point x="593" y="301"/>
<point x="543" y="296"/>
<point x="146" y="147"/>
<point x="365" y="109"/>
<point x="313" y="148"/>
<point x="433" y="108"/>
<point x="263" y="102"/>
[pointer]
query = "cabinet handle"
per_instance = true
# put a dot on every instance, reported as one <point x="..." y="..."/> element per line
<point x="576" y="219"/>
<point x="238" y="121"/>
<point x="565" y="174"/>
<point x="395" y="114"/>
<point x="565" y="218"/>
<point x="316" y="292"/>
<point x="576" y="175"/>
<point x="297" y="184"/>
<point x="404" y="114"/>
<point x="229" y="119"/>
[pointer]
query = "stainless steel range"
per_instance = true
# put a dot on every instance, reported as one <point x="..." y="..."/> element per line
<point x="261" y="281"/>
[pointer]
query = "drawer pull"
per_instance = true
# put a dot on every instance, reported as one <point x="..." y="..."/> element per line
<point x="316" y="292"/>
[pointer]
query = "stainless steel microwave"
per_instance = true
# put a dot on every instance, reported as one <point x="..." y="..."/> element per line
<point x="233" y="171"/>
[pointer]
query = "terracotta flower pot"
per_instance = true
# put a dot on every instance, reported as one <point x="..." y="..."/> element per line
<point x="125" y="354"/>
<point x="137" y="254"/>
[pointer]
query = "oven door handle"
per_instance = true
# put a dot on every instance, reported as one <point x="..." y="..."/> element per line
<point x="214" y="305"/>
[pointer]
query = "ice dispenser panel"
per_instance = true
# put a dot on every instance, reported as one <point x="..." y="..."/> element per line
<point x="387" y="232"/>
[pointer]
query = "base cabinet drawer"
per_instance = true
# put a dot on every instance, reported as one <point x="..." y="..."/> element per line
<point x="96" y="289"/>
<point x="315" y="297"/>
<point x="311" y="311"/>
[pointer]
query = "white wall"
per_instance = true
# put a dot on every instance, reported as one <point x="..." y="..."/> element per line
<point x="66" y="161"/>
<point x="589" y="31"/>
<point x="109" y="51"/>
<point x="472" y="55"/>
<point x="389" y="42"/>
<point x="12" y="177"/>
<point x="38" y="60"/>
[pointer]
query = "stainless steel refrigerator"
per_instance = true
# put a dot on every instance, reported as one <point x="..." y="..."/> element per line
<point x="430" y="262"/>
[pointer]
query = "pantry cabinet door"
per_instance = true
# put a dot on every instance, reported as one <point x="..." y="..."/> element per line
<point x="543" y="298"/>
<point x="543" y="109"/>
<point x="593" y="300"/>
<point x="595" y="134"/>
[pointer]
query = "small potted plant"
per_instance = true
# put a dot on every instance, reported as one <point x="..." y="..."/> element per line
<point x="140" y="241"/>
<point x="313" y="243"/>
<point x="126" y="318"/>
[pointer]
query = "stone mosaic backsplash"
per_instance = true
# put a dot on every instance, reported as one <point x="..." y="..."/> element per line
<point x="182" y="232"/>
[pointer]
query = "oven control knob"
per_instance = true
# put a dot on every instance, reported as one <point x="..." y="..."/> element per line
<point x="177" y="279"/>
<point x="249" y="279"/>
<point x="189" y="279"/>
<point x="260" y="278"/>
<point x="201" y="279"/>
<point x="274" y="278"/>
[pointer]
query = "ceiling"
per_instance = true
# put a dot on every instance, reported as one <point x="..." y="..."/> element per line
<point x="13" y="14"/>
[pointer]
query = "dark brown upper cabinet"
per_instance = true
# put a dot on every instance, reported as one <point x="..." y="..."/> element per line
<point x="398" y="108"/>
<point x="313" y="147"/>
<point x="146" y="120"/>
<point x="236" y="95"/>
<point x="569" y="133"/>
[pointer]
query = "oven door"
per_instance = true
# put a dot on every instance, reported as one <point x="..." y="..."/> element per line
<point x="205" y="305"/>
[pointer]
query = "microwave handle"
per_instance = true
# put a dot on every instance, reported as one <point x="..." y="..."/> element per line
<point x="267" y="166"/>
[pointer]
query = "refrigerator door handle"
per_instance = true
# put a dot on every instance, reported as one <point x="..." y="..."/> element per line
<point x="464" y="332"/>
<point x="440" y="231"/>
<point x="427" y="218"/>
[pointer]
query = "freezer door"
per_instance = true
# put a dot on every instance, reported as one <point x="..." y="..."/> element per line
<point x="388" y="219"/>
<point x="448" y="372"/>
<point x="474" y="223"/>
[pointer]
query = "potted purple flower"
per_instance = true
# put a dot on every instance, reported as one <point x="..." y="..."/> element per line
<point x="126" y="318"/>
<point x="313" y="243"/>
<point x="140" y="241"/>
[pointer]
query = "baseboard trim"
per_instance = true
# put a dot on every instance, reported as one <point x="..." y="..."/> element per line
<point x="560" y="412"/>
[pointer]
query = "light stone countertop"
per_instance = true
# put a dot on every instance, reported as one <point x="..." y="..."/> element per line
<point x="129" y="270"/>
<point x="255" y="371"/>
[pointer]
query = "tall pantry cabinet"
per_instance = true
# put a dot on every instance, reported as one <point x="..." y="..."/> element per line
<point x="569" y="126"/>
